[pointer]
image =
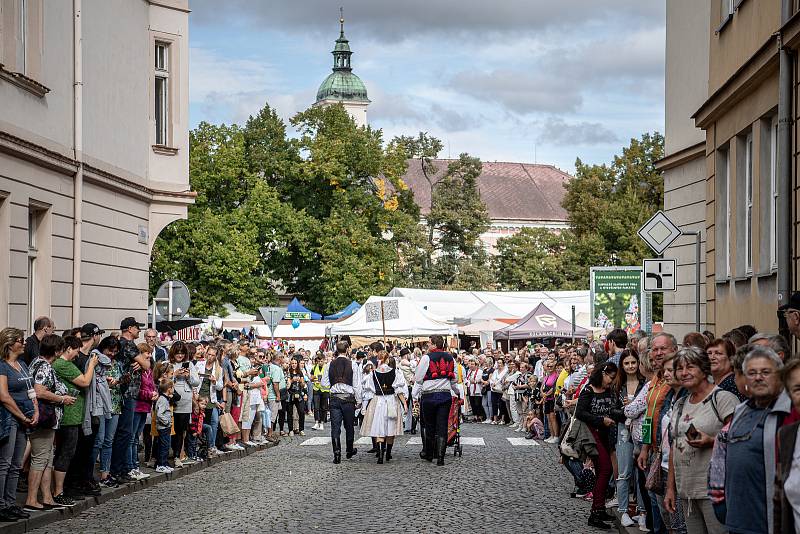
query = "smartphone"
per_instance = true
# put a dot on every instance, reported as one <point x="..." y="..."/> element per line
<point x="692" y="432"/>
<point x="185" y="365"/>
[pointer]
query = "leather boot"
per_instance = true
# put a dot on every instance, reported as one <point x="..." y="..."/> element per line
<point x="441" y="450"/>
<point x="381" y="451"/>
<point x="389" y="451"/>
<point x="374" y="449"/>
<point x="428" y="451"/>
<point x="337" y="450"/>
<point x="351" y="451"/>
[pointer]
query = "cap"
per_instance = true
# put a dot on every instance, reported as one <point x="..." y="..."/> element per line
<point x="794" y="302"/>
<point x="90" y="330"/>
<point x="128" y="322"/>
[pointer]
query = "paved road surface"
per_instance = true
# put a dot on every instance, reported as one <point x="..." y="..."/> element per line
<point x="495" y="487"/>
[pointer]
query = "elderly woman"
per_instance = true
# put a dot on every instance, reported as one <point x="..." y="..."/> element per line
<point x="486" y="402"/>
<point x="720" y="351"/>
<point x="696" y="420"/>
<point x="185" y="379"/>
<point x="787" y="480"/>
<point x="51" y="394"/>
<point x="750" y="458"/>
<point x="19" y="399"/>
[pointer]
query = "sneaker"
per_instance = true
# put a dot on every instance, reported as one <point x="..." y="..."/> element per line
<point x="250" y="443"/>
<point x="612" y="503"/>
<point x="485" y="422"/>
<point x="315" y="427"/>
<point x="63" y="500"/>
<point x="231" y="446"/>
<point x="626" y="520"/>
<point x="138" y="475"/>
<point x="302" y="433"/>
<point x="642" y="520"/>
<point x="164" y="469"/>
<point x="188" y="461"/>
<point x="589" y="497"/>
<point x="109" y="482"/>
<point x="291" y="433"/>
<point x="239" y="446"/>
<point x="178" y="463"/>
<point x="321" y="426"/>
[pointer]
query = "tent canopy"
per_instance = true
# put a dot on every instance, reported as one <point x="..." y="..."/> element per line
<point x="447" y="305"/>
<point x="488" y="311"/>
<point x="296" y="307"/>
<point x="475" y="329"/>
<point x="412" y="321"/>
<point x="346" y="312"/>
<point x="306" y="330"/>
<point x="541" y="322"/>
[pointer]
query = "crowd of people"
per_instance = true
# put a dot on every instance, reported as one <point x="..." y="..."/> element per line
<point x="696" y="436"/>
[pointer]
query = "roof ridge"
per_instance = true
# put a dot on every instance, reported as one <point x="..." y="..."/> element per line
<point x="537" y="187"/>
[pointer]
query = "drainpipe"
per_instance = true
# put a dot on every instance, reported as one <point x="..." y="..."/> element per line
<point x="77" y="121"/>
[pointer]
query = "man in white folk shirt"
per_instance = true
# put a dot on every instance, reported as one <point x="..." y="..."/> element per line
<point x="435" y="386"/>
<point x="343" y="377"/>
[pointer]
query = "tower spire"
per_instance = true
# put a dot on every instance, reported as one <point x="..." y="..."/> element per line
<point x="341" y="21"/>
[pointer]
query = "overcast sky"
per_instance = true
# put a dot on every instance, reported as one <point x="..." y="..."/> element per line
<point x="507" y="80"/>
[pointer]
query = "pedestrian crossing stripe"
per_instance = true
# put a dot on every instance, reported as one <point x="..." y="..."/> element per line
<point x="522" y="442"/>
<point x="326" y="440"/>
<point x="414" y="441"/>
<point x="464" y="441"/>
<point x="321" y="440"/>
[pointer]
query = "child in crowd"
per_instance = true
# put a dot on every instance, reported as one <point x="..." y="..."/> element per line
<point x="198" y="430"/>
<point x="163" y="416"/>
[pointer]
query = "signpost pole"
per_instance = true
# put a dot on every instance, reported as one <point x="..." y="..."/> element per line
<point x="272" y="330"/>
<point x="573" y="325"/>
<point x="169" y="305"/>
<point x="383" y="323"/>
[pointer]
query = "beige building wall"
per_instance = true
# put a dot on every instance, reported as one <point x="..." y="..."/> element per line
<point x="130" y="188"/>
<point x="686" y="85"/>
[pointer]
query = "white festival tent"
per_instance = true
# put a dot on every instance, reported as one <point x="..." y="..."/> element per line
<point x="488" y="311"/>
<point x="412" y="321"/>
<point x="450" y="305"/>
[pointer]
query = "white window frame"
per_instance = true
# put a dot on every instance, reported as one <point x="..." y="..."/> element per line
<point x="727" y="8"/>
<point x="748" y="204"/>
<point x="22" y="37"/>
<point x="727" y="214"/>
<point x="773" y="194"/>
<point x="34" y="221"/>
<point x="161" y="107"/>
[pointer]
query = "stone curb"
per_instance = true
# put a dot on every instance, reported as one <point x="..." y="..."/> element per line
<point x="41" y="519"/>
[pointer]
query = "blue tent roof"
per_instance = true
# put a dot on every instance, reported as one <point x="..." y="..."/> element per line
<point x="295" y="306"/>
<point x="347" y="312"/>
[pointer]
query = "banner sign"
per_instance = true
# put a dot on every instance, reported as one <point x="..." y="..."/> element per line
<point x="616" y="298"/>
<point x="297" y="315"/>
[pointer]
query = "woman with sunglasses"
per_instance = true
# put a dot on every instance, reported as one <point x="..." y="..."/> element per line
<point x="19" y="398"/>
<point x="599" y="407"/>
<point x="696" y="420"/>
<point x="751" y="439"/>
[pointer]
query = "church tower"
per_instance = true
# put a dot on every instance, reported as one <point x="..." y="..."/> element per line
<point x="342" y="86"/>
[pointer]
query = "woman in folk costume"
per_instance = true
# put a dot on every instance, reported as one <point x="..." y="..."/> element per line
<point x="383" y="419"/>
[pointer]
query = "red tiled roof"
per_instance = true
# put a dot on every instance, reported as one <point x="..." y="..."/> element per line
<point x="516" y="191"/>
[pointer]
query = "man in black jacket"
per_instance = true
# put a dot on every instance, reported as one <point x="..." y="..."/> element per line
<point x="342" y="376"/>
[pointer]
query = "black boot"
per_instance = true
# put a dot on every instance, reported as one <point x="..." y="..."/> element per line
<point x="337" y="450"/>
<point x="441" y="450"/>
<point x="605" y="516"/>
<point x="381" y="451"/>
<point x="427" y="449"/>
<point x="374" y="449"/>
<point x="389" y="451"/>
<point x="595" y="520"/>
<point x="351" y="451"/>
<point x="414" y="425"/>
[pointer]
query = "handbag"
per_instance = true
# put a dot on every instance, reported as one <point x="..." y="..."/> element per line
<point x="47" y="415"/>
<point x="654" y="480"/>
<point x="147" y="388"/>
<point x="565" y="446"/>
<point x="227" y="424"/>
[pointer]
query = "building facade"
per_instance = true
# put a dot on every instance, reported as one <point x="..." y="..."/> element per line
<point x="342" y="86"/>
<point x="684" y="164"/>
<point x="93" y="153"/>
<point x="748" y="116"/>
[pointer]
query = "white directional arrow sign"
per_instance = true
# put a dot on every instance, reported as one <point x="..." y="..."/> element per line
<point x="659" y="232"/>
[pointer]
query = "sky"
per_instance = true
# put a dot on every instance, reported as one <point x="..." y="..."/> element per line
<point x="506" y="80"/>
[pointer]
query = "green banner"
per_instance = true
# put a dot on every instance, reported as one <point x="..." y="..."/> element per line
<point x="297" y="315"/>
<point x="616" y="298"/>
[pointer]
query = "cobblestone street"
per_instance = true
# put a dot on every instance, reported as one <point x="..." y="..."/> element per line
<point x="494" y="487"/>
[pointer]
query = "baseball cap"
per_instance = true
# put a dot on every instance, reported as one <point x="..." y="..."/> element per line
<point x="90" y="330"/>
<point x="128" y="322"/>
<point x="794" y="302"/>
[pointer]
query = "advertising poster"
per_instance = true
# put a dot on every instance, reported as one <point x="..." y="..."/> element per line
<point x="616" y="298"/>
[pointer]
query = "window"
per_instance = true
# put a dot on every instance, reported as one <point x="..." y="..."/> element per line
<point x="722" y="203"/>
<point x="34" y="221"/>
<point x="22" y="36"/>
<point x="773" y="194"/>
<point x="726" y="9"/>
<point x="748" y="204"/>
<point x="162" y="93"/>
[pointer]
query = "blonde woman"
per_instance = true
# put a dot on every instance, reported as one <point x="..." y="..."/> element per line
<point x="383" y="419"/>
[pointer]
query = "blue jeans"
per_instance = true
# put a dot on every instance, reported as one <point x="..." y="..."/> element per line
<point x="103" y="441"/>
<point x="658" y="523"/>
<point x="486" y="402"/>
<point x="163" y="446"/>
<point x="121" y="450"/>
<point x="11" y="452"/>
<point x="212" y="416"/>
<point x="139" y="423"/>
<point x="625" y="480"/>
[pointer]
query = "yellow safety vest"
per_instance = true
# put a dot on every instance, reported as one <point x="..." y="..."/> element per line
<point x="317" y="372"/>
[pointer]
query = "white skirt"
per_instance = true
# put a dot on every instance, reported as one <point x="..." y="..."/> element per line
<point x="377" y="424"/>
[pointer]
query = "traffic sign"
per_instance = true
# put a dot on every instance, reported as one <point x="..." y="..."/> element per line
<point x="660" y="275"/>
<point x="272" y="315"/>
<point x="659" y="232"/>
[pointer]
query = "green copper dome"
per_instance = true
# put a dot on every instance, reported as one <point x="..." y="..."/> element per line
<point x="342" y="84"/>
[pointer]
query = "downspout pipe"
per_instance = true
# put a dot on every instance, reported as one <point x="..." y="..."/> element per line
<point x="77" y="118"/>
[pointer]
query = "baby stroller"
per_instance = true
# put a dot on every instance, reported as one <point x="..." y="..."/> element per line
<point x="454" y="426"/>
